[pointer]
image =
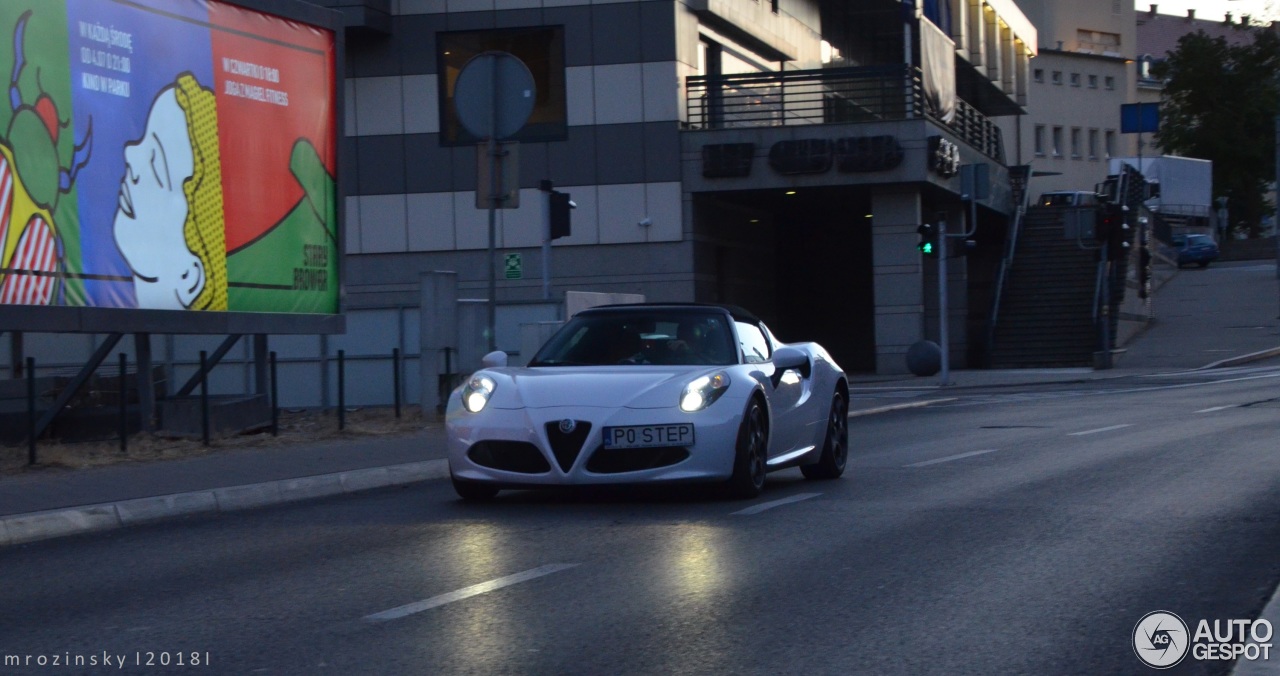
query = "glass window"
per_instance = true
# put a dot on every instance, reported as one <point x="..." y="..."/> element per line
<point x="1093" y="82"/>
<point x="755" y="348"/>
<point x="1057" y="141"/>
<point x="1093" y="144"/>
<point x="1057" y="77"/>
<point x="1038" y="74"/>
<point x="1075" y="79"/>
<point x="1075" y="142"/>
<point x="640" y="337"/>
<point x="1110" y="144"/>
<point x="1039" y="139"/>
<point x="1110" y="82"/>
<point x="540" y="48"/>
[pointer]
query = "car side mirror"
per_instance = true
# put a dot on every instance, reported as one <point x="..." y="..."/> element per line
<point x="495" y="359"/>
<point x="791" y="358"/>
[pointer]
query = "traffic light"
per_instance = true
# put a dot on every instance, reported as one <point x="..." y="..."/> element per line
<point x="1106" y="218"/>
<point x="1113" y="230"/>
<point x="928" y="244"/>
<point x="560" y="206"/>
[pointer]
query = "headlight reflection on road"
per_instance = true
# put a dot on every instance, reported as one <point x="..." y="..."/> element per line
<point x="697" y="569"/>
<point x="484" y="627"/>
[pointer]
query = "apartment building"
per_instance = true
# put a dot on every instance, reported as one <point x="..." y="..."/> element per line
<point x="1083" y="73"/>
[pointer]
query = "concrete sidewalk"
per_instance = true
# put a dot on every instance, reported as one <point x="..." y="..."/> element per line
<point x="1222" y="316"/>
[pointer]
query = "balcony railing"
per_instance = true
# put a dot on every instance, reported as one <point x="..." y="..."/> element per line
<point x="826" y="96"/>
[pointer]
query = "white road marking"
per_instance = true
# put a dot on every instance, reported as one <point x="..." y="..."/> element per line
<point x="467" y="592"/>
<point x="898" y="407"/>
<point x="1100" y="429"/>
<point x="775" y="503"/>
<point x="1215" y="408"/>
<point x="949" y="458"/>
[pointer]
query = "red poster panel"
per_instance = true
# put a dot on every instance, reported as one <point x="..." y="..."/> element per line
<point x="274" y="82"/>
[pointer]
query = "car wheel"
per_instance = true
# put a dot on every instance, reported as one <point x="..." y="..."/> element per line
<point x="749" y="462"/>
<point x="835" y="448"/>
<point x="473" y="490"/>
<point x="1204" y="264"/>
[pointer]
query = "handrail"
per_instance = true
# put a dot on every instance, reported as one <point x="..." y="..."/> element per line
<point x="827" y="96"/>
<point x="1006" y="264"/>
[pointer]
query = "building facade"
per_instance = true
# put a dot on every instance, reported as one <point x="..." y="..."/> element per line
<point x="1083" y="74"/>
<point x="775" y="154"/>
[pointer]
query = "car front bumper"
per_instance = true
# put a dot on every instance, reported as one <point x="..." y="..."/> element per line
<point x="523" y="447"/>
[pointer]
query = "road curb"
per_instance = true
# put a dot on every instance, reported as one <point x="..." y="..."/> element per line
<point x="18" y="529"/>
<point x="1242" y="359"/>
<point x="1270" y="613"/>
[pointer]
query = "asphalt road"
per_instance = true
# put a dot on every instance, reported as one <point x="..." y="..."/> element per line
<point x="1020" y="531"/>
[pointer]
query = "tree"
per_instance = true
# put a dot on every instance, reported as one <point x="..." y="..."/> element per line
<point x="1219" y="103"/>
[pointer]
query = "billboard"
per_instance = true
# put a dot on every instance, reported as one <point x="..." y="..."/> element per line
<point x="166" y="154"/>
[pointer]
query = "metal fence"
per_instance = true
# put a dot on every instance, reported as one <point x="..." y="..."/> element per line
<point x="826" y="96"/>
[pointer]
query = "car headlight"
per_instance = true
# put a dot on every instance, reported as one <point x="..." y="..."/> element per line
<point x="476" y="393"/>
<point x="703" y="391"/>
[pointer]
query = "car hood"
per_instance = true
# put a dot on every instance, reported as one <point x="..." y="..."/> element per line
<point x="593" y="386"/>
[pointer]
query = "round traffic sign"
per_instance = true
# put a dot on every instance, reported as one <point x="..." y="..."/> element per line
<point x="494" y="95"/>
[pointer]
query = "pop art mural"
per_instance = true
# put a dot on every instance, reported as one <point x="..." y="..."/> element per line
<point x="166" y="154"/>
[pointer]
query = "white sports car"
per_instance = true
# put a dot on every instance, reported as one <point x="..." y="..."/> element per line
<point x="627" y="394"/>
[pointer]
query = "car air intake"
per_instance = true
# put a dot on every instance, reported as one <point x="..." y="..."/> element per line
<point x="606" y="461"/>
<point x="566" y="438"/>
<point x="509" y="456"/>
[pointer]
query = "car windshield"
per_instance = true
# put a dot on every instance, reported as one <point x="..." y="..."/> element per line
<point x="641" y="337"/>
<point x="1198" y="240"/>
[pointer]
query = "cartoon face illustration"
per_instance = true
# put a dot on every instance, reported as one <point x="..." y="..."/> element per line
<point x="170" y="187"/>
<point x="152" y="208"/>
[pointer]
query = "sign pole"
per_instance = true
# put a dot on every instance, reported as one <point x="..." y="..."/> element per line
<point x="495" y="191"/>
<point x="546" y="239"/>
<point x="494" y="97"/>
<point x="493" y="249"/>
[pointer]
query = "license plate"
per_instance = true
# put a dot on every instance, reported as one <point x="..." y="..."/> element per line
<point x="649" y="436"/>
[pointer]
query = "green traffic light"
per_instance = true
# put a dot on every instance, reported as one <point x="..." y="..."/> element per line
<point x="926" y="248"/>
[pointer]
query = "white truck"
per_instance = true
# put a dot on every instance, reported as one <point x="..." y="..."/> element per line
<point x="1186" y="183"/>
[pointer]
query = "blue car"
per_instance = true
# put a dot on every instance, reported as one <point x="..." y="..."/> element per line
<point x="1198" y="249"/>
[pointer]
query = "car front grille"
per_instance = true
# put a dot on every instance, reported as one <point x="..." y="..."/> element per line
<point x="567" y="445"/>
<point x="509" y="456"/>
<point x="616" y="461"/>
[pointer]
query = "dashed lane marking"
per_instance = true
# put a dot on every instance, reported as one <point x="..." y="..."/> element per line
<point x="756" y="509"/>
<point x="467" y="592"/>
<point x="949" y="458"/>
<point x="898" y="407"/>
<point x="1100" y="429"/>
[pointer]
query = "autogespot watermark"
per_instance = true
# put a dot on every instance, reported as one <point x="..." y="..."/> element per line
<point x="1161" y="640"/>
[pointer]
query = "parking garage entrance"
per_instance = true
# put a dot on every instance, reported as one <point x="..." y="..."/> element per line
<point x="800" y="259"/>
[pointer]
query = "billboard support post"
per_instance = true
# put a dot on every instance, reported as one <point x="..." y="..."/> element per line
<point x="144" y="381"/>
<point x="31" y="410"/>
<point x="275" y="397"/>
<point x="124" y="404"/>
<point x="204" y="398"/>
<point x="342" y="389"/>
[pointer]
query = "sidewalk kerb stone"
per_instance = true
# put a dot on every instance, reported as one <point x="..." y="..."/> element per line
<point x="418" y="471"/>
<point x="147" y="510"/>
<point x="306" y="488"/>
<point x="251" y="496"/>
<point x="365" y="479"/>
<point x="52" y="524"/>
